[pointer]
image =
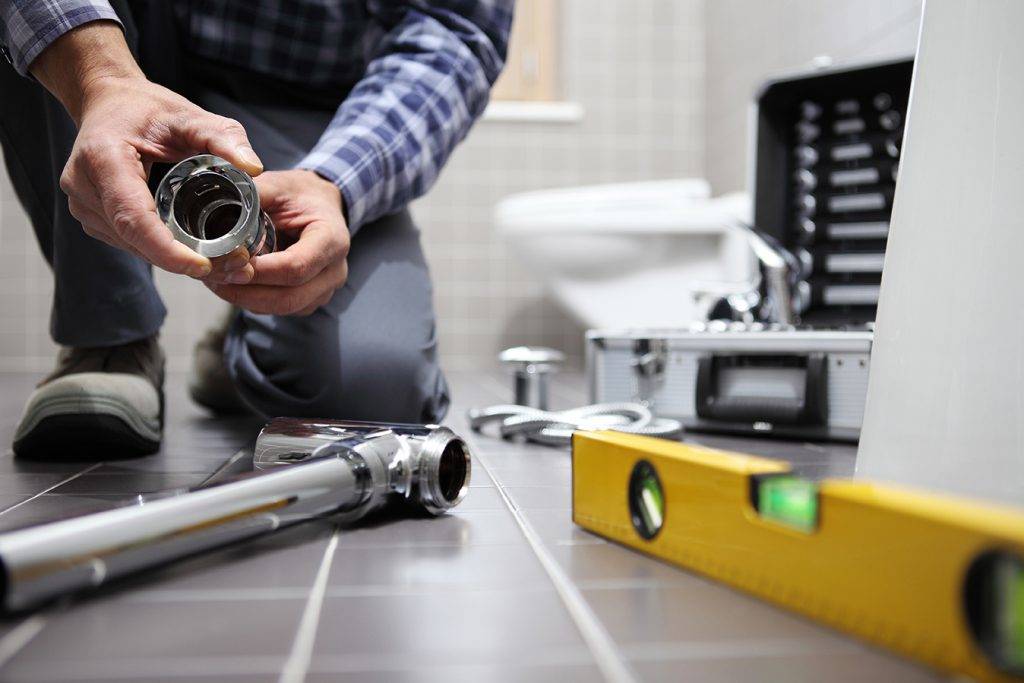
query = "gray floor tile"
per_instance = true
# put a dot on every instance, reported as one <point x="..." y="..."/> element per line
<point x="547" y="475"/>
<point x="53" y="507"/>
<point x="555" y="527"/>
<point x="8" y="500"/>
<point x="853" y="667"/>
<point x="13" y="483"/>
<point x="480" y="527"/>
<point x="101" y="632"/>
<point x="287" y="559"/>
<point x="153" y="671"/>
<point x="111" y="479"/>
<point x="473" y="628"/>
<point x="446" y="567"/>
<point x="482" y="498"/>
<point x="540" y="497"/>
<point x="583" y="673"/>
<point x="696" y="611"/>
<point x="609" y="564"/>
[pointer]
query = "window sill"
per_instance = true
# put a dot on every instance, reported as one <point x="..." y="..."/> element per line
<point x="533" y="112"/>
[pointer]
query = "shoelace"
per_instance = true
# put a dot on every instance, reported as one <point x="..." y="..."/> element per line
<point x="555" y="428"/>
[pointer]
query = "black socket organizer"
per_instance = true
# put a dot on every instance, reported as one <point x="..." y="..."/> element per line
<point x="827" y="151"/>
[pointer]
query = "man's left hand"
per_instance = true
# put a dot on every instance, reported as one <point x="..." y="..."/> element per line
<point x="306" y="210"/>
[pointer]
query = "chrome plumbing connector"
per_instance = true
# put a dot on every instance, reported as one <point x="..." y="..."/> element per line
<point x="304" y="470"/>
<point x="425" y="465"/>
<point x="212" y="207"/>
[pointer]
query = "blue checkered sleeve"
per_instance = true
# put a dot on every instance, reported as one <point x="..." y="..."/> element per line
<point x="427" y="83"/>
<point x="27" y="27"/>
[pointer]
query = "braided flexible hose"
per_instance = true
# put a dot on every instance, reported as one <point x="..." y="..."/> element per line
<point x="555" y="428"/>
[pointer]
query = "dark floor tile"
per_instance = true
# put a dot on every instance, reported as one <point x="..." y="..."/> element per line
<point x="9" y="500"/>
<point x="555" y="527"/>
<point x="443" y="566"/>
<point x="482" y="498"/>
<point x="13" y="465"/>
<point x="286" y="559"/>
<point x="474" y="628"/>
<point x="110" y="479"/>
<point x="459" y="527"/>
<point x="54" y="507"/>
<point x="566" y="673"/>
<point x="175" y="464"/>
<point x="31" y="482"/>
<point x="611" y="564"/>
<point x="546" y="475"/>
<point x="695" y="611"/>
<point x="107" y="630"/>
<point x="133" y="670"/>
<point x="540" y="497"/>
<point x="853" y="667"/>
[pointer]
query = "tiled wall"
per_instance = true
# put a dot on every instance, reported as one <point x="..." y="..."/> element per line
<point x="637" y="68"/>
<point x="663" y="85"/>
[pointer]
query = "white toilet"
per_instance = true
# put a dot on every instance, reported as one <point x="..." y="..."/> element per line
<point x="648" y="254"/>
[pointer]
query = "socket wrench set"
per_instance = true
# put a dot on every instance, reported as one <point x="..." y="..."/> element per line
<point x="827" y="154"/>
<point x="791" y="356"/>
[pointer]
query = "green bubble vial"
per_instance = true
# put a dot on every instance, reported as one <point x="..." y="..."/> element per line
<point x="789" y="500"/>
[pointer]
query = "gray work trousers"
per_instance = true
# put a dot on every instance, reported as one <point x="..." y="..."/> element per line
<point x="368" y="354"/>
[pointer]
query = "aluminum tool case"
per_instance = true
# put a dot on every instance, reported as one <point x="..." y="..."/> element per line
<point x="826" y="147"/>
<point x="799" y="383"/>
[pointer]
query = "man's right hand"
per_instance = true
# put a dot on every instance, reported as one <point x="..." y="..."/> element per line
<point x="125" y="123"/>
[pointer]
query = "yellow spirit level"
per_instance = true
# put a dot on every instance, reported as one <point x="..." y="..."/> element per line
<point x="935" y="578"/>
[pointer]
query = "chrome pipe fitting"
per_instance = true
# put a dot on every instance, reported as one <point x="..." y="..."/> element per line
<point x="213" y="208"/>
<point x="303" y="470"/>
<point x="530" y="367"/>
<point x="426" y="465"/>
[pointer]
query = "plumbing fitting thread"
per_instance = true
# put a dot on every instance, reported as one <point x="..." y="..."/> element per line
<point x="555" y="428"/>
<point x="304" y="470"/>
<point x="213" y="208"/>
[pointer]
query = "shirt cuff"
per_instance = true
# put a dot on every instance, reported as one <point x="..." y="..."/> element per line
<point x="356" y="168"/>
<point x="30" y="27"/>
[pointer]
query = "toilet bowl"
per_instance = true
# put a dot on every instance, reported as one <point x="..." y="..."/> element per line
<point x="648" y="254"/>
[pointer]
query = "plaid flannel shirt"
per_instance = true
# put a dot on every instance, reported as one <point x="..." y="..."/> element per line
<point x="416" y="72"/>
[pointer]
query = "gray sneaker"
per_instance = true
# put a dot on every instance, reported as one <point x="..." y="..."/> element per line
<point x="209" y="384"/>
<point x="103" y="402"/>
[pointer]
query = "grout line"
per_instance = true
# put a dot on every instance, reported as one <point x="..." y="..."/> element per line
<point x="20" y="636"/>
<point x="57" y="485"/>
<point x="295" y="668"/>
<point x="12" y="643"/>
<point x="606" y="654"/>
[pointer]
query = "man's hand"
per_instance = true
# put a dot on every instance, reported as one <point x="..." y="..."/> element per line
<point x="306" y="210"/>
<point x="125" y="123"/>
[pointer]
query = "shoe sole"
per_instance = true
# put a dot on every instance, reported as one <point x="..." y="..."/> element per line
<point x="83" y="437"/>
<point x="70" y="428"/>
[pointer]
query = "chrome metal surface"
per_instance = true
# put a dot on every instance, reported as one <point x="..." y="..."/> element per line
<point x="426" y="465"/>
<point x="530" y="366"/>
<point x="213" y="208"/>
<point x="780" y="272"/>
<point x="333" y="468"/>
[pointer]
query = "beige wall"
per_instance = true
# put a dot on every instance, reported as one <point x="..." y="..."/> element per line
<point x="664" y="86"/>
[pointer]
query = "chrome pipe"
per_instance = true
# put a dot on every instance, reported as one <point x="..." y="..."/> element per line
<point x="213" y="207"/>
<point x="303" y="470"/>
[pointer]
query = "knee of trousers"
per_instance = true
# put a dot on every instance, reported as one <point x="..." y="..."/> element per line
<point x="322" y="376"/>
